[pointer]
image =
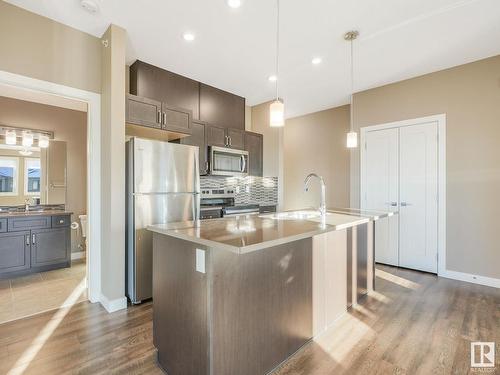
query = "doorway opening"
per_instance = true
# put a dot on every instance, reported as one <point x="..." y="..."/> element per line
<point x="43" y="206"/>
<point x="403" y="169"/>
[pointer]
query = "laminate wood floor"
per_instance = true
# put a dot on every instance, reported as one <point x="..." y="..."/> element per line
<point x="414" y="324"/>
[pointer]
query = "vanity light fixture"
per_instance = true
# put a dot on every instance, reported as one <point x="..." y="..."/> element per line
<point x="10" y="137"/>
<point x="43" y="141"/>
<point x="352" y="136"/>
<point x="277" y="107"/>
<point x="27" y="139"/>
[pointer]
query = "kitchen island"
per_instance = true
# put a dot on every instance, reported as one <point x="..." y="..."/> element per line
<point x="240" y="295"/>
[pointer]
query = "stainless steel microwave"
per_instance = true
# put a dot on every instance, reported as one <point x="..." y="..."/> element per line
<point x="228" y="162"/>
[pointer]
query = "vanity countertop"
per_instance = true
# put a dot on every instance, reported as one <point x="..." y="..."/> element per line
<point x="7" y="214"/>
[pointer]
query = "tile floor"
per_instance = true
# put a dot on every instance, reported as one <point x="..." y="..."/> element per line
<point x="33" y="294"/>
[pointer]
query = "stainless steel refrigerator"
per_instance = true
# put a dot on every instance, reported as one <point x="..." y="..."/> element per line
<point x="163" y="186"/>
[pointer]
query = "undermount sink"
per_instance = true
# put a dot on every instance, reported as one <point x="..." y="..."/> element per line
<point x="295" y="215"/>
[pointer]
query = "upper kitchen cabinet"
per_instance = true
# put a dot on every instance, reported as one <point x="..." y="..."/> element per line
<point x="144" y="112"/>
<point x="154" y="114"/>
<point x="198" y="138"/>
<point x="254" y="146"/>
<point x="222" y="108"/>
<point x="216" y="136"/>
<point x="175" y="90"/>
<point x="236" y="138"/>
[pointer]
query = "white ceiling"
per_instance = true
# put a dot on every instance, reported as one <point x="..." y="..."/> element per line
<point x="234" y="49"/>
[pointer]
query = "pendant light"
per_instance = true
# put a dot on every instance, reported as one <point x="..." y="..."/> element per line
<point x="277" y="108"/>
<point x="352" y="136"/>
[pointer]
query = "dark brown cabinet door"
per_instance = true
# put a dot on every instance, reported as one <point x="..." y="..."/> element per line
<point x="254" y="146"/>
<point x="152" y="82"/>
<point x="221" y="107"/>
<point x="50" y="246"/>
<point x="143" y="111"/>
<point x="236" y="138"/>
<point x="216" y="136"/>
<point x="176" y="119"/>
<point x="197" y="138"/>
<point x="14" y="252"/>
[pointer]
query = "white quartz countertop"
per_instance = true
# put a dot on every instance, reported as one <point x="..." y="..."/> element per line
<point x="246" y="233"/>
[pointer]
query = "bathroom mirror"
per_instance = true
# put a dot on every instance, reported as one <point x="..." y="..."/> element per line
<point x="34" y="174"/>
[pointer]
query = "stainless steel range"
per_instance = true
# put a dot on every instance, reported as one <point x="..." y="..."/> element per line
<point x="216" y="203"/>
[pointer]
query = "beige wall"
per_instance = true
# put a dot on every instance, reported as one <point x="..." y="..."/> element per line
<point x="316" y="143"/>
<point x="40" y="48"/>
<point x="69" y="126"/>
<point x="470" y="97"/>
<point x="273" y="145"/>
<point x="113" y="165"/>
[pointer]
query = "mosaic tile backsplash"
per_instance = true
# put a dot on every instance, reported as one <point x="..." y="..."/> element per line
<point x="248" y="190"/>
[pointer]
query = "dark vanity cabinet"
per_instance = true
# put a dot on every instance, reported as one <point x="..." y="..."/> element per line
<point x="35" y="243"/>
<point x="254" y="146"/>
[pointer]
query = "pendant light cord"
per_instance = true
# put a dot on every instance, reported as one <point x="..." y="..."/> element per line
<point x="277" y="44"/>
<point x="352" y="85"/>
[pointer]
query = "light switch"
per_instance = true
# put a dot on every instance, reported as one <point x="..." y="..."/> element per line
<point x="200" y="260"/>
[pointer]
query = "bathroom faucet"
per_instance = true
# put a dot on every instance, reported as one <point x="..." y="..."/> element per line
<point x="28" y="202"/>
<point x="322" y="206"/>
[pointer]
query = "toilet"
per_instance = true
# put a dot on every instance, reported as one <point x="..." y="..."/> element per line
<point x="83" y="222"/>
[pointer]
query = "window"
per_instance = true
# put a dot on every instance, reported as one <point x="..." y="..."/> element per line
<point x="31" y="176"/>
<point x="9" y="169"/>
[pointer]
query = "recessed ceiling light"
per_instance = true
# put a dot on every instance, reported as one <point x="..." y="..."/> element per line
<point x="316" y="60"/>
<point x="273" y="78"/>
<point x="90" y="6"/>
<point x="188" y="36"/>
<point x="234" y="3"/>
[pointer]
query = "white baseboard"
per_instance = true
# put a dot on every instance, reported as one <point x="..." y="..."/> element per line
<point x="113" y="305"/>
<point x="476" y="279"/>
<point x="78" y="255"/>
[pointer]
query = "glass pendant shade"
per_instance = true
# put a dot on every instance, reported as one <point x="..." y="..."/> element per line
<point x="277" y="114"/>
<point x="10" y="137"/>
<point x="352" y="140"/>
<point x="43" y="141"/>
<point x="27" y="139"/>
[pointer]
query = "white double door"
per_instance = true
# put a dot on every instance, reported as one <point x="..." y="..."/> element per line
<point x="400" y="174"/>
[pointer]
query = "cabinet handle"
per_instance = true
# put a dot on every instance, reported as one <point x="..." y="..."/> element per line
<point x="164" y="118"/>
<point x="230" y="142"/>
<point x="226" y="142"/>
<point x="33" y="238"/>
<point x="27" y="240"/>
<point x="158" y="117"/>
<point x="206" y="166"/>
<point x="61" y="221"/>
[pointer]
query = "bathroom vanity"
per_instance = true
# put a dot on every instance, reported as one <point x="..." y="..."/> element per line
<point x="34" y="241"/>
